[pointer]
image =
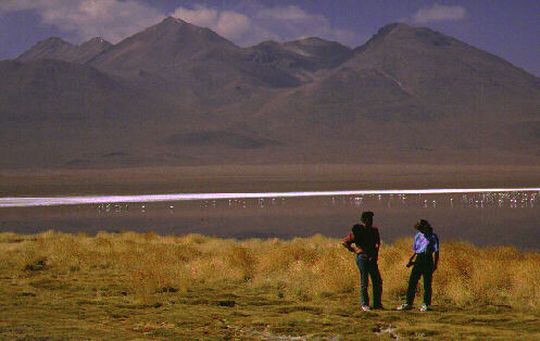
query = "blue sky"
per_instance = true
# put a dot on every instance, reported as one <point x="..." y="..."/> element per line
<point x="509" y="29"/>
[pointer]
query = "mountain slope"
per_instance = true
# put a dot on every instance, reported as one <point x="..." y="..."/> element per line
<point x="54" y="112"/>
<point x="53" y="88"/>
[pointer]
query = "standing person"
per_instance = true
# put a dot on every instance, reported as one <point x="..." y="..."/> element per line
<point x="365" y="242"/>
<point x="426" y="243"/>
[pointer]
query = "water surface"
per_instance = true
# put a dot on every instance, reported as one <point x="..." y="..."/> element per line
<point x="492" y="218"/>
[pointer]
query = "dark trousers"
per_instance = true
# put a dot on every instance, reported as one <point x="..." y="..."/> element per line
<point x="369" y="268"/>
<point x="419" y="270"/>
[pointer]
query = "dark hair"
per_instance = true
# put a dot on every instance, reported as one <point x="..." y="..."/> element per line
<point x="367" y="216"/>
<point x="423" y="226"/>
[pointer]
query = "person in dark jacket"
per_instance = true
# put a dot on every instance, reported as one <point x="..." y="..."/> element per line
<point x="424" y="261"/>
<point x="365" y="242"/>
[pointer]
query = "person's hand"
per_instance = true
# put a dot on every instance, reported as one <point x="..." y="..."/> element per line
<point x="434" y="267"/>
<point x="409" y="264"/>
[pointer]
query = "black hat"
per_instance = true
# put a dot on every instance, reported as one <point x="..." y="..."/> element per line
<point x="423" y="226"/>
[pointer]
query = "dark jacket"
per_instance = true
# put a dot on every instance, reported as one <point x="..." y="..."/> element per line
<point x="366" y="238"/>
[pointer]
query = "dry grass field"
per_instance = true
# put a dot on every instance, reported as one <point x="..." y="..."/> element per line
<point x="129" y="285"/>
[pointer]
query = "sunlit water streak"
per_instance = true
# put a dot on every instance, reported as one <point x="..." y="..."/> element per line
<point x="79" y="200"/>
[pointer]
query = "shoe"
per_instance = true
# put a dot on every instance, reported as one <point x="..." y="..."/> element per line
<point x="404" y="306"/>
<point x="378" y="307"/>
<point x="365" y="308"/>
<point x="424" y="307"/>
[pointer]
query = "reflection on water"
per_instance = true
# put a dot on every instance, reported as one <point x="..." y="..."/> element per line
<point x="472" y="200"/>
<point x="484" y="218"/>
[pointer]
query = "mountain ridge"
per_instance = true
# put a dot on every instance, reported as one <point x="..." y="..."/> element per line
<point x="177" y="94"/>
<point x="57" y="48"/>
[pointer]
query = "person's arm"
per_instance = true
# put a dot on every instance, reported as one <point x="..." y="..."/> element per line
<point x="411" y="260"/>
<point x="377" y="244"/>
<point x="348" y="243"/>
<point x="436" y="260"/>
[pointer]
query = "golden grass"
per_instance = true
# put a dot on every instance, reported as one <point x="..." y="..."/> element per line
<point x="301" y="269"/>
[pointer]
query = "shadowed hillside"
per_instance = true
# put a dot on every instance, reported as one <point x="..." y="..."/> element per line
<point x="178" y="94"/>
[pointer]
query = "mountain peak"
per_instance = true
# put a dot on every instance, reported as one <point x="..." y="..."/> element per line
<point x="96" y="41"/>
<point x="172" y="20"/>
<point x="59" y="49"/>
<point x="49" y="48"/>
<point x="53" y="41"/>
<point x="161" y="46"/>
<point x="403" y="34"/>
<point x="268" y="43"/>
<point x="309" y="42"/>
<point x="179" y="30"/>
<point x="395" y="26"/>
<point x="392" y="28"/>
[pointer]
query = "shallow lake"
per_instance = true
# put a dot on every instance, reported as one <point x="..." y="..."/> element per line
<point x="482" y="218"/>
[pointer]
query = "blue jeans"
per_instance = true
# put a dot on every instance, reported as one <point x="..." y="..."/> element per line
<point x="369" y="267"/>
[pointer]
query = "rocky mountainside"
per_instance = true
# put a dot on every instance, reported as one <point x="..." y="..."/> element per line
<point x="177" y="94"/>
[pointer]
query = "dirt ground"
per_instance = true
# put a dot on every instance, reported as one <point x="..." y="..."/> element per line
<point x="262" y="178"/>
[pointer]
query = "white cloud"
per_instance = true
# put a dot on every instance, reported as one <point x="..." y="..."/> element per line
<point x="288" y="13"/>
<point x="293" y="22"/>
<point x="439" y="13"/>
<point x="277" y="23"/>
<point x="118" y="19"/>
<point x="198" y="15"/>
<point x="84" y="19"/>
<point x="232" y="25"/>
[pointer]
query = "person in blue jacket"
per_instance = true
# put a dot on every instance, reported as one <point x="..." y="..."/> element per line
<point x="424" y="261"/>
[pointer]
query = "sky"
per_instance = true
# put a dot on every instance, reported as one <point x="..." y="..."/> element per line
<point x="509" y="29"/>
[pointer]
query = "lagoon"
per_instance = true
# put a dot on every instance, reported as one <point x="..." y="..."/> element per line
<point x="499" y="216"/>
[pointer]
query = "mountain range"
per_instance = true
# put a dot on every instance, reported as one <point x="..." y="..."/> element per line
<point x="179" y="94"/>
